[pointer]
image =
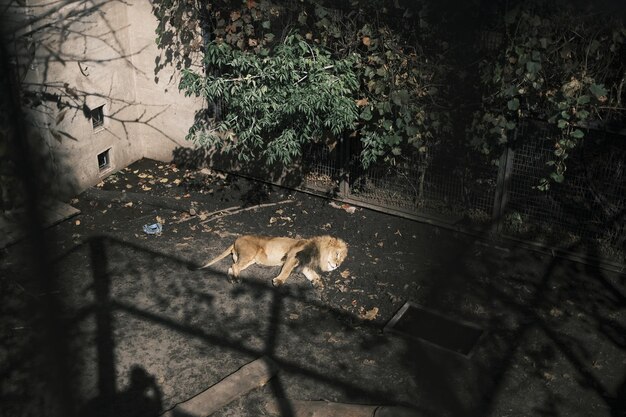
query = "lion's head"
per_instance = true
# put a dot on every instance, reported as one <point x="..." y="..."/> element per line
<point x="333" y="252"/>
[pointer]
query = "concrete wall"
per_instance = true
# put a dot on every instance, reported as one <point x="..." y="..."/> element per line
<point x="170" y="114"/>
<point x="90" y="54"/>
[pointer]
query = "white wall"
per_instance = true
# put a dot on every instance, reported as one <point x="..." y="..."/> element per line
<point x="106" y="56"/>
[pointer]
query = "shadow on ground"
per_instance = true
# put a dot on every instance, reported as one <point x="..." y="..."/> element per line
<point x="141" y="328"/>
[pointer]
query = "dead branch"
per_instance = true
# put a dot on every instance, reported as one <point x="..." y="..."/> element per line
<point x="229" y="211"/>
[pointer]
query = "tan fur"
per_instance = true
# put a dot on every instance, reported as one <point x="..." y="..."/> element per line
<point x="324" y="253"/>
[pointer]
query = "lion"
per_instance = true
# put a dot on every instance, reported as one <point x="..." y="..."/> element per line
<point x="325" y="253"/>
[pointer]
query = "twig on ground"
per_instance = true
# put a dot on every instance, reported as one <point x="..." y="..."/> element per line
<point x="229" y="211"/>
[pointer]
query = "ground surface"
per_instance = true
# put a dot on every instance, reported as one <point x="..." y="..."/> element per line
<point x="141" y="326"/>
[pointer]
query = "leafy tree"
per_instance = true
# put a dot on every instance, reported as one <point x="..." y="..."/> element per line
<point x="553" y="64"/>
<point x="285" y="72"/>
<point x="273" y="104"/>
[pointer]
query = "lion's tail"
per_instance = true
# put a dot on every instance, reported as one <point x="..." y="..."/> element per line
<point x="224" y="254"/>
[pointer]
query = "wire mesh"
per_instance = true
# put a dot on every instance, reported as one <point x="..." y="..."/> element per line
<point x="584" y="212"/>
<point x="322" y="167"/>
<point x="434" y="184"/>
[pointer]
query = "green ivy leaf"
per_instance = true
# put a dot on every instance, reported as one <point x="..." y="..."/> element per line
<point x="533" y="67"/>
<point x="557" y="177"/>
<point x="513" y="104"/>
<point x="584" y="99"/>
<point x="598" y="90"/>
<point x="544" y="185"/>
<point x="366" y="114"/>
<point x="578" y="134"/>
<point x="400" y="97"/>
<point x="582" y="114"/>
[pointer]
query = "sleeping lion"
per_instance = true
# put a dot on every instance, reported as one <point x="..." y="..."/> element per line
<point x="325" y="253"/>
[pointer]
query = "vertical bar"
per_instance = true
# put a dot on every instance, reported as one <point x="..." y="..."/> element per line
<point x="104" y="326"/>
<point x="505" y="169"/>
<point x="344" y="168"/>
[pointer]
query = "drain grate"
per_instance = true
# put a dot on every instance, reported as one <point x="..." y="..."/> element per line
<point x="417" y="322"/>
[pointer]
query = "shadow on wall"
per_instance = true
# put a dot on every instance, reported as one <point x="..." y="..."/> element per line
<point x="29" y="179"/>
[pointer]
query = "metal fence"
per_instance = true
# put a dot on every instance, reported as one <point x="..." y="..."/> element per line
<point x="583" y="216"/>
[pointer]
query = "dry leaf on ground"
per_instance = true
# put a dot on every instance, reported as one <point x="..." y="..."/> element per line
<point x="370" y="314"/>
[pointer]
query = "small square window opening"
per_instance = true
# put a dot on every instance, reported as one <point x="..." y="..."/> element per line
<point x="104" y="160"/>
<point x="97" y="117"/>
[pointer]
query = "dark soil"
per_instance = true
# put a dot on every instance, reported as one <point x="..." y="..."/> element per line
<point x="131" y="326"/>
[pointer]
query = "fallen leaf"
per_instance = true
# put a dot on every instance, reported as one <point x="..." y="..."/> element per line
<point x="293" y="316"/>
<point x="129" y="186"/>
<point x="159" y="219"/>
<point x="393" y="298"/>
<point x="177" y="181"/>
<point x="366" y="41"/>
<point x="163" y="180"/>
<point x="345" y="274"/>
<point x="381" y="244"/>
<point x="348" y="208"/>
<point x="371" y="314"/>
<point x="129" y="204"/>
<point x="548" y="376"/>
